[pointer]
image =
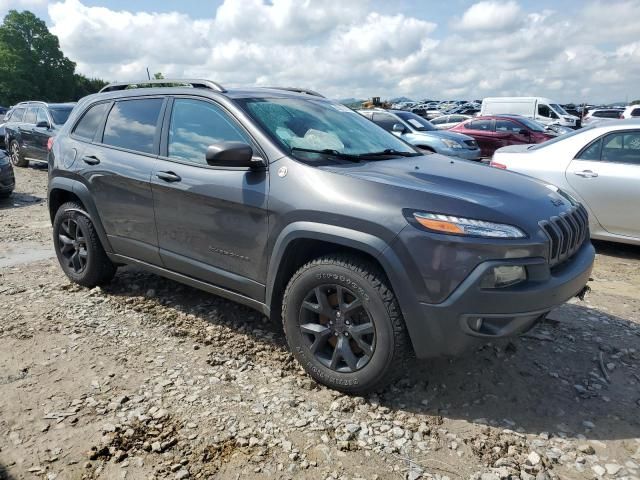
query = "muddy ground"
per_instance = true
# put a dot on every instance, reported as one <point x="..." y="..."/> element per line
<point x="148" y="378"/>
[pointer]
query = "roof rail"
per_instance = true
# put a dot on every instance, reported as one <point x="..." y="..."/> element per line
<point x="32" y="102"/>
<point x="195" y="83"/>
<point x="298" y="90"/>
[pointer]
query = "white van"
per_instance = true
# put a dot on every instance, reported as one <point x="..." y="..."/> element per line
<point x="544" y="110"/>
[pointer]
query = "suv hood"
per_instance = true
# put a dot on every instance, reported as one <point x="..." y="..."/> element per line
<point x="457" y="187"/>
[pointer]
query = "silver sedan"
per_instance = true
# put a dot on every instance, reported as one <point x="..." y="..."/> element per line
<point x="598" y="165"/>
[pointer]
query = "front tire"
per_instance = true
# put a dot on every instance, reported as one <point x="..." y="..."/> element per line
<point x="78" y="248"/>
<point x="15" y="153"/>
<point x="343" y="324"/>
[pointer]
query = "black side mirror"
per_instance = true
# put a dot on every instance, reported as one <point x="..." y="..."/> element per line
<point x="524" y="131"/>
<point x="43" y="124"/>
<point x="231" y="154"/>
<point x="398" y="128"/>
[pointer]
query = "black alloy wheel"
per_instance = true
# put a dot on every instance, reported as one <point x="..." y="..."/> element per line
<point x="338" y="328"/>
<point x="72" y="245"/>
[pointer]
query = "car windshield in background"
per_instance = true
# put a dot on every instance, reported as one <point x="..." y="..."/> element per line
<point x="560" y="138"/>
<point x="558" y="109"/>
<point x="60" y="115"/>
<point x="531" y="124"/>
<point x="417" y="122"/>
<point x="311" y="128"/>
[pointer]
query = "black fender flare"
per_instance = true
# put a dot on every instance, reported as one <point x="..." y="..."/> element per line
<point x="379" y="249"/>
<point x="81" y="191"/>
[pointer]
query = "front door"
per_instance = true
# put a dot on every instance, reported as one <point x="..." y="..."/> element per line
<point x="40" y="135"/>
<point x="212" y="221"/>
<point x="607" y="176"/>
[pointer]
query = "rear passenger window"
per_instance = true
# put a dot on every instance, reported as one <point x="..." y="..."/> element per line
<point x="622" y="148"/>
<point x="88" y="125"/>
<point x="30" y="117"/>
<point x="195" y="125"/>
<point x="131" y="124"/>
<point x="479" y="125"/>
<point x="17" y="115"/>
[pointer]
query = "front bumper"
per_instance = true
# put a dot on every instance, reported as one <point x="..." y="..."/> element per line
<point x="450" y="327"/>
<point x="465" y="153"/>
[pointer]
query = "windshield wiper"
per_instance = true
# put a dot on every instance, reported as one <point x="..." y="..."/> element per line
<point x="389" y="151"/>
<point x="328" y="151"/>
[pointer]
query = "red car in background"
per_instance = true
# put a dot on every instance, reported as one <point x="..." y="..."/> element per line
<point x="495" y="131"/>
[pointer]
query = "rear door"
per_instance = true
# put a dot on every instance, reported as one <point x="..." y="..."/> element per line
<point x="212" y="220"/>
<point x="117" y="167"/>
<point x="483" y="130"/>
<point x="606" y="174"/>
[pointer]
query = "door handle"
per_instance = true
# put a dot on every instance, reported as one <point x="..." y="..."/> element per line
<point x="168" y="176"/>
<point x="91" y="159"/>
<point x="586" y="174"/>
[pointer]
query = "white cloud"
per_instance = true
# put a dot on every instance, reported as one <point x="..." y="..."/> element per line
<point x="491" y="15"/>
<point x="346" y="49"/>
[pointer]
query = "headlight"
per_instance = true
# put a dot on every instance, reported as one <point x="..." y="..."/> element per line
<point x="466" y="226"/>
<point x="451" y="143"/>
<point x="503" y="276"/>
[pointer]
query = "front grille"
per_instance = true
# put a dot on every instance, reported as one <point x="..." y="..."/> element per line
<point x="566" y="233"/>
<point x="471" y="143"/>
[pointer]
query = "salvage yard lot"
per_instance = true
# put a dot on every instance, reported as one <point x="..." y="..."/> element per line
<point x="148" y="377"/>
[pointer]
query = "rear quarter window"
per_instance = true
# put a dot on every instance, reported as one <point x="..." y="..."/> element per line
<point x="88" y="125"/>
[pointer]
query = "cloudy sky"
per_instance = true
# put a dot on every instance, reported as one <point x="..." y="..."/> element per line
<point x="570" y="50"/>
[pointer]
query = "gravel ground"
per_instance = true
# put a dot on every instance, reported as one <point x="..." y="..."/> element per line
<point x="148" y="378"/>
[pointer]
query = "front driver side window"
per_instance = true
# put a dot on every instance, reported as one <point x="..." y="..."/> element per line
<point x="544" y="110"/>
<point x="195" y="125"/>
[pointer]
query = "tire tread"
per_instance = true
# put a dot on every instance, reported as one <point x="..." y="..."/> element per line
<point x="377" y="279"/>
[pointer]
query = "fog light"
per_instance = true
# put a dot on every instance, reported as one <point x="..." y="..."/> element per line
<point x="504" y="276"/>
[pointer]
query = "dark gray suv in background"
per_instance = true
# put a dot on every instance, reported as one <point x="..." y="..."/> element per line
<point x="299" y="207"/>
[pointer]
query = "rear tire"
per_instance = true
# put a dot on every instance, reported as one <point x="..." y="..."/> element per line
<point x="343" y="324"/>
<point x="78" y="248"/>
<point x="15" y="153"/>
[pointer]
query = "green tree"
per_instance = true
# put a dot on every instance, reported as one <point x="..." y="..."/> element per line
<point x="635" y="102"/>
<point x="158" y="76"/>
<point x="32" y="66"/>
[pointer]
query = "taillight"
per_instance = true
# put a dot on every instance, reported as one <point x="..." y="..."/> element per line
<point x="49" y="144"/>
<point x="498" y="165"/>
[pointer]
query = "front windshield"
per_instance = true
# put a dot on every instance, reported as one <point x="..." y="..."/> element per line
<point x="320" y="127"/>
<point x="417" y="122"/>
<point x="560" y="138"/>
<point x="60" y="115"/>
<point x="558" y="109"/>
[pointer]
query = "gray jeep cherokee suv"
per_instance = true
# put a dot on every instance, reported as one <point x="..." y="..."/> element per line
<point x="294" y="205"/>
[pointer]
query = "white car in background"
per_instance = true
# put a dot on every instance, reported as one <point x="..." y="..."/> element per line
<point x="598" y="165"/>
<point x="632" y="111"/>
<point x="445" y="122"/>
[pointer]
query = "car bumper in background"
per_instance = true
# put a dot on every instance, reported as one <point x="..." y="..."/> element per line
<point x="466" y="153"/>
<point x="450" y="327"/>
<point x="7" y="180"/>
